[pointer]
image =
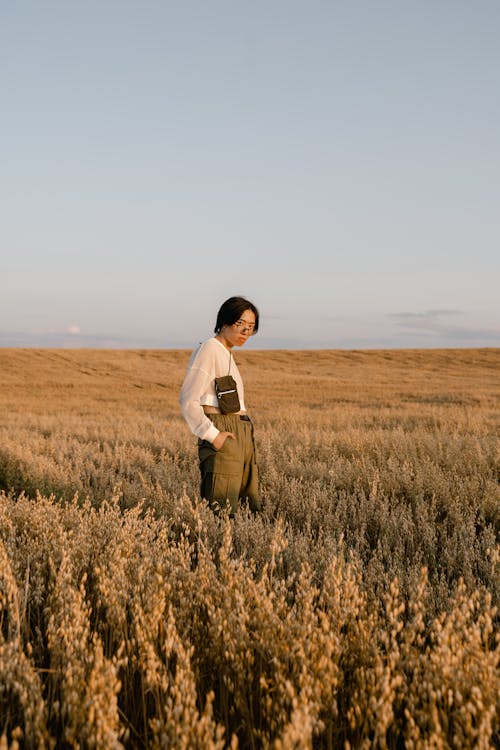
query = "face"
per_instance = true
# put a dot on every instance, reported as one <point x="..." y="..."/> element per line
<point x="238" y="333"/>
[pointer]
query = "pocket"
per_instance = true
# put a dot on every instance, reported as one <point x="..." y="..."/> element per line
<point x="230" y="447"/>
<point x="226" y="464"/>
<point x="221" y="482"/>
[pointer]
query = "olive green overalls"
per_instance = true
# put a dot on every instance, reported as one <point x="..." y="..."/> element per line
<point x="230" y="474"/>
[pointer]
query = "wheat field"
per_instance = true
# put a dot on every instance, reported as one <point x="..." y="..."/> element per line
<point x="358" y="610"/>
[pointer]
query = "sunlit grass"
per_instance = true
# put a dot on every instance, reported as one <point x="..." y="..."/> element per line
<point x="358" y="608"/>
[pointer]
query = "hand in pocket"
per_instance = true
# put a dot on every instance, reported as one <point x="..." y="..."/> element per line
<point x="221" y="439"/>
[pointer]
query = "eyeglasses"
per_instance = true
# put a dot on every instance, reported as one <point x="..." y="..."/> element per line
<point x="243" y="326"/>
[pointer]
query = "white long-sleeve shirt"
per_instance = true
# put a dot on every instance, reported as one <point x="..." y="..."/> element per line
<point x="209" y="361"/>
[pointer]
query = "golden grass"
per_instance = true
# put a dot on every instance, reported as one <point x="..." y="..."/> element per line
<point x="358" y="610"/>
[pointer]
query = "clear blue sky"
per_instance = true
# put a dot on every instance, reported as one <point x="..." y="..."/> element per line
<point x="336" y="162"/>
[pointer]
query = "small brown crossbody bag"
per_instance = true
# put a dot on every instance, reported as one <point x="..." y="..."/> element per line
<point x="227" y="392"/>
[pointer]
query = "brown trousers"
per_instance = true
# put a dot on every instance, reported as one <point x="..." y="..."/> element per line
<point x="230" y="474"/>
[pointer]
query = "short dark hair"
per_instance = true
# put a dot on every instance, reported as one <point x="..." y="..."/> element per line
<point x="232" y="310"/>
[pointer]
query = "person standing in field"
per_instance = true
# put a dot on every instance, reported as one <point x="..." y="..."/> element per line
<point x="213" y="405"/>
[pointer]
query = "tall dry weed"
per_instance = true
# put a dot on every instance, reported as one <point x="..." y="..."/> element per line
<point x="359" y="610"/>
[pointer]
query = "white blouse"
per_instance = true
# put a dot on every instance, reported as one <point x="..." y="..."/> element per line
<point x="209" y="361"/>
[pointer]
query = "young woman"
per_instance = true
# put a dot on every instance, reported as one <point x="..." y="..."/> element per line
<point x="226" y="447"/>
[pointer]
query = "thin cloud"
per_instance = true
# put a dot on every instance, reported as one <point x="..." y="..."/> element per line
<point x="426" y="314"/>
<point x="435" y="323"/>
<point x="427" y="320"/>
<point x="474" y="334"/>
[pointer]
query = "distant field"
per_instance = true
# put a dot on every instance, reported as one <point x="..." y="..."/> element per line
<point x="358" y="610"/>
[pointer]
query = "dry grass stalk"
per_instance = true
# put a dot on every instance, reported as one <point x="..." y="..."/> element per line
<point x="359" y="610"/>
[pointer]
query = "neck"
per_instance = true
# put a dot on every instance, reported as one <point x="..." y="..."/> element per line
<point x="220" y="337"/>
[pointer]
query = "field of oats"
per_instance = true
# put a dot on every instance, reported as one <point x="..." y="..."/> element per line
<point x="357" y="611"/>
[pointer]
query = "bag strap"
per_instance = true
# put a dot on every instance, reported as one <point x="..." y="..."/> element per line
<point x="230" y="360"/>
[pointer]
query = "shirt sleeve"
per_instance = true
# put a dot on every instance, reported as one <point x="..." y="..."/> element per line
<point x="195" y="384"/>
